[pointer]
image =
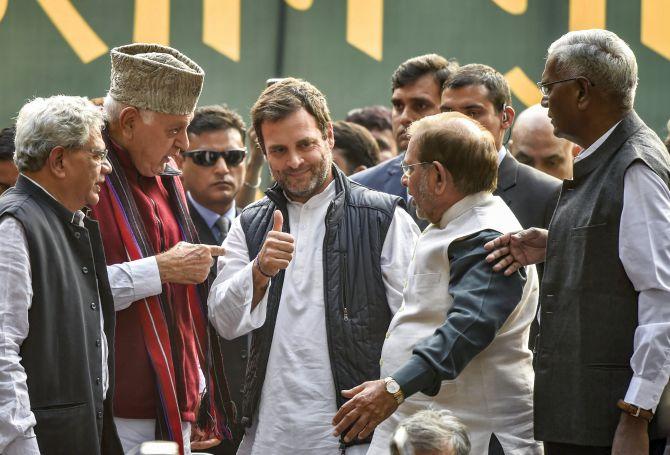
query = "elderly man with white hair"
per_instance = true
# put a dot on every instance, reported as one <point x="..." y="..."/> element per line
<point x="603" y="356"/>
<point x="56" y="305"/>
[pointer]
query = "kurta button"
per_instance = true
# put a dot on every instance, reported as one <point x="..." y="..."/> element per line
<point x="77" y="235"/>
<point x="97" y="342"/>
<point x="93" y="306"/>
<point x="84" y="269"/>
<point x="99" y="414"/>
<point x="243" y="353"/>
<point x="97" y="381"/>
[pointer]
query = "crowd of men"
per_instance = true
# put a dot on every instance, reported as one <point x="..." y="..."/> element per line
<point x="408" y="284"/>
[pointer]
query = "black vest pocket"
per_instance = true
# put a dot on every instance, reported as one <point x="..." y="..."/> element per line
<point x="62" y="428"/>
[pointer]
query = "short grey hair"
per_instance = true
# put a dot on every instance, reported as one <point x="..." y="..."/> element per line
<point x="46" y="123"/>
<point x="436" y="431"/>
<point x="600" y="56"/>
<point x="112" y="108"/>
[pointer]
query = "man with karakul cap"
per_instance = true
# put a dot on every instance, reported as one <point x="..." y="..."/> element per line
<point x="154" y="259"/>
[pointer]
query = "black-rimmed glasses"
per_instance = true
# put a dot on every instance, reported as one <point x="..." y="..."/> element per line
<point x="544" y="86"/>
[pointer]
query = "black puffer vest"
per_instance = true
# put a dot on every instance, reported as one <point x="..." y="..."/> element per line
<point x="357" y="312"/>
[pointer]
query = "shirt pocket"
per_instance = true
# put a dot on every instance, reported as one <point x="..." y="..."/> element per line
<point x="423" y="285"/>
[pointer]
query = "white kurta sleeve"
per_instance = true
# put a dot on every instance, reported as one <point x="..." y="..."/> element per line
<point x="231" y="294"/>
<point x="644" y="249"/>
<point x="396" y="255"/>
<point x="133" y="281"/>
<point x="16" y="419"/>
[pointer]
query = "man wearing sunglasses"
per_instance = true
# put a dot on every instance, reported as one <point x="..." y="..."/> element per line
<point x="213" y="171"/>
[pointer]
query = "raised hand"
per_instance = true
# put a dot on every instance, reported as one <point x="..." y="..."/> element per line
<point x="187" y="263"/>
<point x="277" y="250"/>
<point x="516" y="249"/>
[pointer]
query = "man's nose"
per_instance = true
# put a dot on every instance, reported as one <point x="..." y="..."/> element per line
<point x="221" y="166"/>
<point x="545" y="101"/>
<point x="294" y="159"/>
<point x="182" y="142"/>
<point x="106" y="167"/>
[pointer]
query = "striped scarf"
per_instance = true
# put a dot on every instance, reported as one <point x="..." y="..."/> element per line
<point x="156" y="317"/>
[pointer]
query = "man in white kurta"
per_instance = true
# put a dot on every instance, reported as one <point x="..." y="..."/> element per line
<point x="459" y="340"/>
<point x="298" y="396"/>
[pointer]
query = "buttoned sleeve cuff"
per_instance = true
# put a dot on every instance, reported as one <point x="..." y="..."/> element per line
<point x="133" y="281"/>
<point x="644" y="393"/>
<point x="415" y="376"/>
<point x="23" y="446"/>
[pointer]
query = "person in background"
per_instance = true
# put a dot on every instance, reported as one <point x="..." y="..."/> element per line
<point x="431" y="432"/>
<point x="483" y="94"/>
<point x="56" y="304"/>
<point x="377" y="120"/>
<point x="8" y="170"/>
<point x="213" y="170"/>
<point x="249" y="192"/>
<point x="314" y="271"/>
<point x="534" y="144"/>
<point x="416" y="86"/>
<point x="355" y="148"/>
<point x="603" y="356"/>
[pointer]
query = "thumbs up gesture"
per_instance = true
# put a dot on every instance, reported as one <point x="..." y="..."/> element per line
<point x="277" y="250"/>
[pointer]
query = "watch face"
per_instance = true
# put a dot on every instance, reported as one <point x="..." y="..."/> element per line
<point x="392" y="387"/>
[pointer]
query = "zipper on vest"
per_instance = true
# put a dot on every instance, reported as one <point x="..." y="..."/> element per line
<point x="343" y="281"/>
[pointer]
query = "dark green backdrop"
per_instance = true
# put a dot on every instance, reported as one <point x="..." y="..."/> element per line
<point x="35" y="59"/>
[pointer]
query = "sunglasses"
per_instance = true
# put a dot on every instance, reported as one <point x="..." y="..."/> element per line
<point x="209" y="158"/>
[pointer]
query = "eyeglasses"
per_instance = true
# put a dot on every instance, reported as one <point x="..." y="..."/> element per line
<point x="207" y="158"/>
<point x="407" y="169"/>
<point x="544" y="86"/>
<point x="99" y="155"/>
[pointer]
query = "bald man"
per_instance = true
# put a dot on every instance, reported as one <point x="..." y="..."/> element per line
<point x="534" y="144"/>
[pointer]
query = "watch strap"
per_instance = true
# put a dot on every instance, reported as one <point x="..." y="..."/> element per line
<point x="635" y="411"/>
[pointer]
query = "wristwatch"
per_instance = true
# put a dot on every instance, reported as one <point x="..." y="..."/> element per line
<point x="393" y="388"/>
<point x="631" y="409"/>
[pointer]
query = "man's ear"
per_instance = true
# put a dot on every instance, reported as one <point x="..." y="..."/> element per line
<point x="360" y="168"/>
<point x="128" y="119"/>
<point x="442" y="177"/>
<point x="330" y="137"/>
<point x="584" y="94"/>
<point x="55" y="161"/>
<point x="508" y="115"/>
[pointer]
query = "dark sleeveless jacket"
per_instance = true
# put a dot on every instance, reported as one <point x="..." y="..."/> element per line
<point x="357" y="311"/>
<point x="589" y="306"/>
<point x="62" y="354"/>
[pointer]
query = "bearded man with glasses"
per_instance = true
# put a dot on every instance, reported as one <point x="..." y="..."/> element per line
<point x="213" y="171"/>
